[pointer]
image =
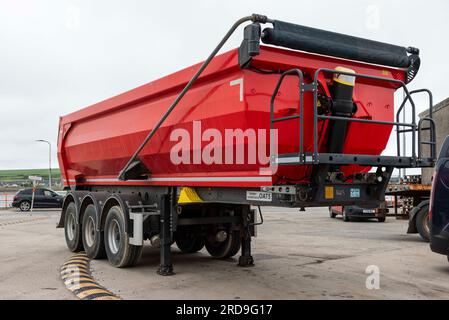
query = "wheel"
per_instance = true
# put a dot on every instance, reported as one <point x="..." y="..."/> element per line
<point x="120" y="253"/>
<point x="93" y="240"/>
<point x="72" y="230"/>
<point x="345" y="216"/>
<point x="331" y="213"/>
<point x="224" y="249"/>
<point x="423" y="222"/>
<point x="25" y="206"/>
<point x="188" y="242"/>
<point x="381" y="219"/>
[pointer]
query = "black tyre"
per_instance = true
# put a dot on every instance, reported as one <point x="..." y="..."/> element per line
<point x="93" y="240"/>
<point x="119" y="251"/>
<point x="188" y="242"/>
<point x="332" y="214"/>
<point x="225" y="249"/>
<point x="72" y="230"/>
<point x="25" y="206"/>
<point x="423" y="222"/>
<point x="345" y="216"/>
<point x="381" y="219"/>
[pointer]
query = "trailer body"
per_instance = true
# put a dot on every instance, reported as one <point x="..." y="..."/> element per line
<point x="95" y="142"/>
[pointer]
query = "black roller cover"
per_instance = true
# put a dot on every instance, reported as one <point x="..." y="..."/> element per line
<point x="335" y="44"/>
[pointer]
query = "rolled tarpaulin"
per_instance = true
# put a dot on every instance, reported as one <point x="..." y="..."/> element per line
<point x="329" y="43"/>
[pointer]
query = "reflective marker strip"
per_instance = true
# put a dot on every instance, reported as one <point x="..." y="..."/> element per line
<point x="185" y="179"/>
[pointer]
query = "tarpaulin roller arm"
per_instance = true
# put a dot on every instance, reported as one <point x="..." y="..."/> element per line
<point x="336" y="44"/>
<point x="254" y="18"/>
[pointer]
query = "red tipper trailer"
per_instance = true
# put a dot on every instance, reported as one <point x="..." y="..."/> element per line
<point x="181" y="159"/>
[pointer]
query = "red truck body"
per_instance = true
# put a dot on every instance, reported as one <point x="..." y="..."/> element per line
<point x="95" y="143"/>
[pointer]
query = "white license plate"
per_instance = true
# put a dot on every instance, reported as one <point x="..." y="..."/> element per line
<point x="259" y="196"/>
<point x="369" y="211"/>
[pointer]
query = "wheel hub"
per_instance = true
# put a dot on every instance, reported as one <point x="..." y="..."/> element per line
<point x="71" y="227"/>
<point x="90" y="232"/>
<point x="114" y="237"/>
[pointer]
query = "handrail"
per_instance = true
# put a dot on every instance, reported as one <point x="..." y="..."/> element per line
<point x="356" y="75"/>
<point x="432" y="142"/>
<point x="431" y="128"/>
<point x="300" y="75"/>
<point x="430" y="99"/>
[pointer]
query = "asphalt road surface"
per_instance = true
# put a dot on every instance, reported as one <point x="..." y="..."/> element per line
<point x="298" y="255"/>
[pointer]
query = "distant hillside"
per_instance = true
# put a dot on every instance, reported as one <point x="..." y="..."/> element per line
<point x="7" y="176"/>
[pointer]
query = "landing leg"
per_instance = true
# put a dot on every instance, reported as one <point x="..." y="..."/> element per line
<point x="166" y="220"/>
<point x="246" y="259"/>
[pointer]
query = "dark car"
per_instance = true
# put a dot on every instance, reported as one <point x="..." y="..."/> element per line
<point x="439" y="203"/>
<point x="350" y="212"/>
<point x="43" y="198"/>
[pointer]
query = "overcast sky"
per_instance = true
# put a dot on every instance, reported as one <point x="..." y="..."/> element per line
<point x="58" y="56"/>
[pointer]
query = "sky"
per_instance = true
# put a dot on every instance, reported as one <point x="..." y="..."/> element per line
<point x="58" y="56"/>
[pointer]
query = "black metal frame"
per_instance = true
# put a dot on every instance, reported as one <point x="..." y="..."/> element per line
<point x="314" y="158"/>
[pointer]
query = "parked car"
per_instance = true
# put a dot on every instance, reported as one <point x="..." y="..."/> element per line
<point x="439" y="203"/>
<point x="349" y="212"/>
<point x="43" y="198"/>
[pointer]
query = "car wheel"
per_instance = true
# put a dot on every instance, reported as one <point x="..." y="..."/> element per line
<point x="25" y="206"/>
<point x="345" y="216"/>
<point x="332" y="214"/>
<point x="93" y="240"/>
<point x="119" y="251"/>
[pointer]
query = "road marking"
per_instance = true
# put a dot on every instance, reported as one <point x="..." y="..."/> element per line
<point x="76" y="276"/>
